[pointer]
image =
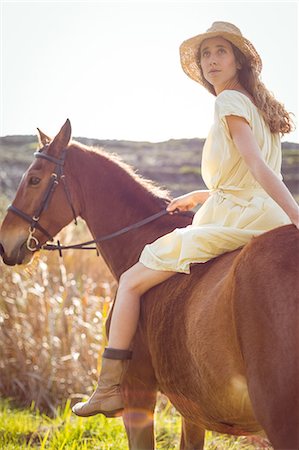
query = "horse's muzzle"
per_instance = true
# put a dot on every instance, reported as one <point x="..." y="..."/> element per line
<point x="20" y="255"/>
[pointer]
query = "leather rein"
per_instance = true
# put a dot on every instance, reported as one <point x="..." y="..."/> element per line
<point x="58" y="176"/>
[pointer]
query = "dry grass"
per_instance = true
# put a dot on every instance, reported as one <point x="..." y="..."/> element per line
<point x="52" y="325"/>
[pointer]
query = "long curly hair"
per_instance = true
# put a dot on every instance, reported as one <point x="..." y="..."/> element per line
<point x="273" y="112"/>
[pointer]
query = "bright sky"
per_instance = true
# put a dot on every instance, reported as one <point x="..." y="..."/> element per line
<point x="112" y="67"/>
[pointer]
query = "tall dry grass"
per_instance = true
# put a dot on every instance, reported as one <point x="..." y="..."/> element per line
<point x="52" y="316"/>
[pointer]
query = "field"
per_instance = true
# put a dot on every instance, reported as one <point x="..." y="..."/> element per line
<point x="52" y="316"/>
<point x="29" y="429"/>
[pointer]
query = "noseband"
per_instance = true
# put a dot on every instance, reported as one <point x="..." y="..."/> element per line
<point x="57" y="176"/>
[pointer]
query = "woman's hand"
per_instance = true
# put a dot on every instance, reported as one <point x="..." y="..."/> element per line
<point x="188" y="201"/>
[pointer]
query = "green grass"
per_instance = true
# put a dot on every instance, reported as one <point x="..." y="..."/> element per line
<point x="29" y="429"/>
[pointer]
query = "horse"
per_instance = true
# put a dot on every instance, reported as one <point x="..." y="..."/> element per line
<point x="222" y="343"/>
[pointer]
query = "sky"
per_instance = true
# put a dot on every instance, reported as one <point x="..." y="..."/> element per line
<point x="113" y="67"/>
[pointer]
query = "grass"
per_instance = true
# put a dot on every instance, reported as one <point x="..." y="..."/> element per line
<point x="29" y="429"/>
<point x="24" y="429"/>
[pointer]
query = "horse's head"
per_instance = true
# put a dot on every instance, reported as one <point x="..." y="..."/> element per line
<point x="42" y="205"/>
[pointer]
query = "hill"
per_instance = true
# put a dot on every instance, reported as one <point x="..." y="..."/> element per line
<point x="174" y="164"/>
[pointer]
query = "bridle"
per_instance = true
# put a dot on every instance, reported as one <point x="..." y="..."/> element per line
<point x="58" y="176"/>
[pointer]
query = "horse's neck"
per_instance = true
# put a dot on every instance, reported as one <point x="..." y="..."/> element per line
<point x="111" y="199"/>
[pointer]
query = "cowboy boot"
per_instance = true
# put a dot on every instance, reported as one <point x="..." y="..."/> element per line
<point x="106" y="399"/>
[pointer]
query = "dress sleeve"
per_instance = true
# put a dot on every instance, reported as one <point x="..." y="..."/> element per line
<point x="232" y="103"/>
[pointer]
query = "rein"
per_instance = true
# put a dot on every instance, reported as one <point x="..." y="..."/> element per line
<point x="85" y="245"/>
<point x="57" y="176"/>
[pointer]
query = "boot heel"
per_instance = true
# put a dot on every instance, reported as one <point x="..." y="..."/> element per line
<point x="115" y="413"/>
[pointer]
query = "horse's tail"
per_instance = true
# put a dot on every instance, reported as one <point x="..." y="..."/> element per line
<point x="266" y="308"/>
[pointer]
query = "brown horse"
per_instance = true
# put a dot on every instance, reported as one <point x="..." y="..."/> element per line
<point x="222" y="343"/>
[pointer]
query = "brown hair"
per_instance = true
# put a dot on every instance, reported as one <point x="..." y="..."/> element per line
<point x="273" y="112"/>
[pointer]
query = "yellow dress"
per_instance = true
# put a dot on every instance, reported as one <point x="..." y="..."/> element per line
<point x="237" y="208"/>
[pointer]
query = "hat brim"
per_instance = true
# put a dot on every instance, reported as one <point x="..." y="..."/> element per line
<point x="189" y="52"/>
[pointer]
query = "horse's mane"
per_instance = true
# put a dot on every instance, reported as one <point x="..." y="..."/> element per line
<point x="148" y="185"/>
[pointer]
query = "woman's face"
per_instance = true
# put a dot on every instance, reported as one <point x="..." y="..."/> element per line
<point x="218" y="63"/>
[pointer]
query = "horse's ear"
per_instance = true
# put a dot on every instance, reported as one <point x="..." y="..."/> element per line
<point x="43" y="139"/>
<point x="61" y="140"/>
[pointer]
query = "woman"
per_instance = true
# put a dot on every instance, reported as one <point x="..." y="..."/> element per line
<point x="246" y="197"/>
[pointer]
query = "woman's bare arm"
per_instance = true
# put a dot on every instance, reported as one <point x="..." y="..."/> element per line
<point x="245" y="142"/>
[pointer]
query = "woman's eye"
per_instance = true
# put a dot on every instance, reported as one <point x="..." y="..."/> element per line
<point x="33" y="181"/>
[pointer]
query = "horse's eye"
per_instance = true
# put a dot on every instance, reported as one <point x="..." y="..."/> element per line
<point x="34" y="181"/>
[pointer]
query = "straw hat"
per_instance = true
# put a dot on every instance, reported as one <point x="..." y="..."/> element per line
<point x="189" y="49"/>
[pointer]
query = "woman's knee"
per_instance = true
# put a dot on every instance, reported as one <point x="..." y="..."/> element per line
<point x="139" y="279"/>
<point x="131" y="280"/>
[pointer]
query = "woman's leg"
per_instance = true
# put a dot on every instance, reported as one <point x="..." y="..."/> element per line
<point x="107" y="397"/>
<point x="132" y="284"/>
